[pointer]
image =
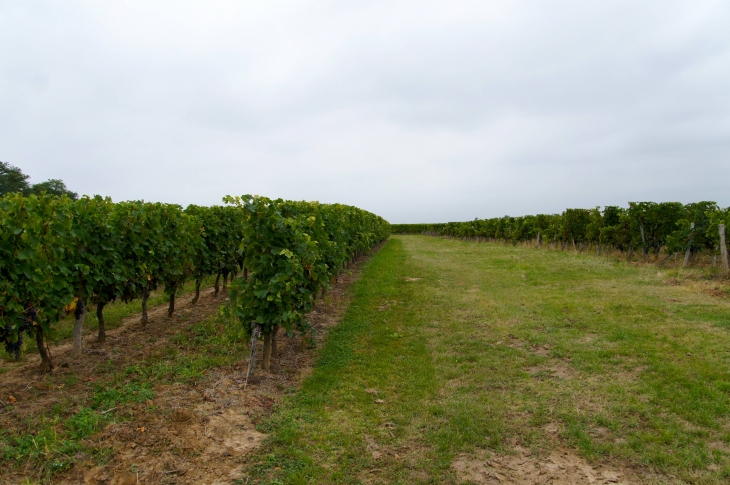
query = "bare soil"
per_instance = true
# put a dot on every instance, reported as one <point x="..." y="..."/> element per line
<point x="189" y="433"/>
<point x="562" y="467"/>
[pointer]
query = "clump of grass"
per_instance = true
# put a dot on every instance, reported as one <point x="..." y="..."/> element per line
<point x="108" y="397"/>
<point x="214" y="342"/>
<point x="51" y="443"/>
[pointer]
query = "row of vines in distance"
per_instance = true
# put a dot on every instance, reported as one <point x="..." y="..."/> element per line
<point x="646" y="226"/>
<point x="57" y="254"/>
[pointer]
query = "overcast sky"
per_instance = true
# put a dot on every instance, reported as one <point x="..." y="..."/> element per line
<point x="418" y="111"/>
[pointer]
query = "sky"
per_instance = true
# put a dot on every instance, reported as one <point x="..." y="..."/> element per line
<point x="419" y="111"/>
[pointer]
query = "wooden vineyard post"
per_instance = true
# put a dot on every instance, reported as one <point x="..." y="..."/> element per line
<point x="216" y="285"/>
<point x="101" y="338"/>
<point x="171" y="306"/>
<point x="266" y="364"/>
<point x="689" y="246"/>
<point x="80" y="316"/>
<point x="643" y="241"/>
<point x="197" y="292"/>
<point x="723" y="249"/>
<point x="145" y="297"/>
<point x="255" y="332"/>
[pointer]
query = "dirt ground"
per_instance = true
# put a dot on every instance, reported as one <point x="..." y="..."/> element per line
<point x="198" y="433"/>
<point x="561" y="467"/>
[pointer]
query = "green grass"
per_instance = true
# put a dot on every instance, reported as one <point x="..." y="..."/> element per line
<point x="483" y="346"/>
<point x="470" y="346"/>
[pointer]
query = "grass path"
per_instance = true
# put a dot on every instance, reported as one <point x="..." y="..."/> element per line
<point x="454" y="347"/>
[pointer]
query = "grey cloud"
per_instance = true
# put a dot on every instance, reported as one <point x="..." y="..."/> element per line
<point x="419" y="111"/>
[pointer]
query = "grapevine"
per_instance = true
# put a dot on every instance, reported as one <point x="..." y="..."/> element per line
<point x="59" y="255"/>
<point x="650" y="227"/>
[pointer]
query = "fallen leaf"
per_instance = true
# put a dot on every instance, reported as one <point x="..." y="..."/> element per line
<point x="379" y="401"/>
<point x="374" y="392"/>
<point x="89" y="379"/>
<point x="141" y="430"/>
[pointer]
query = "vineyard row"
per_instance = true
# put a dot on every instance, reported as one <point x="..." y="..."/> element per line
<point x="59" y="255"/>
<point x="653" y="228"/>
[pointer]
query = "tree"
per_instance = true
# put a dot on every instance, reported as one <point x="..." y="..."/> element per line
<point x="12" y="179"/>
<point x="53" y="187"/>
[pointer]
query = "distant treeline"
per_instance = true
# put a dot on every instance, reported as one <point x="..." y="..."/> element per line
<point x="647" y="226"/>
<point x="12" y="179"/>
